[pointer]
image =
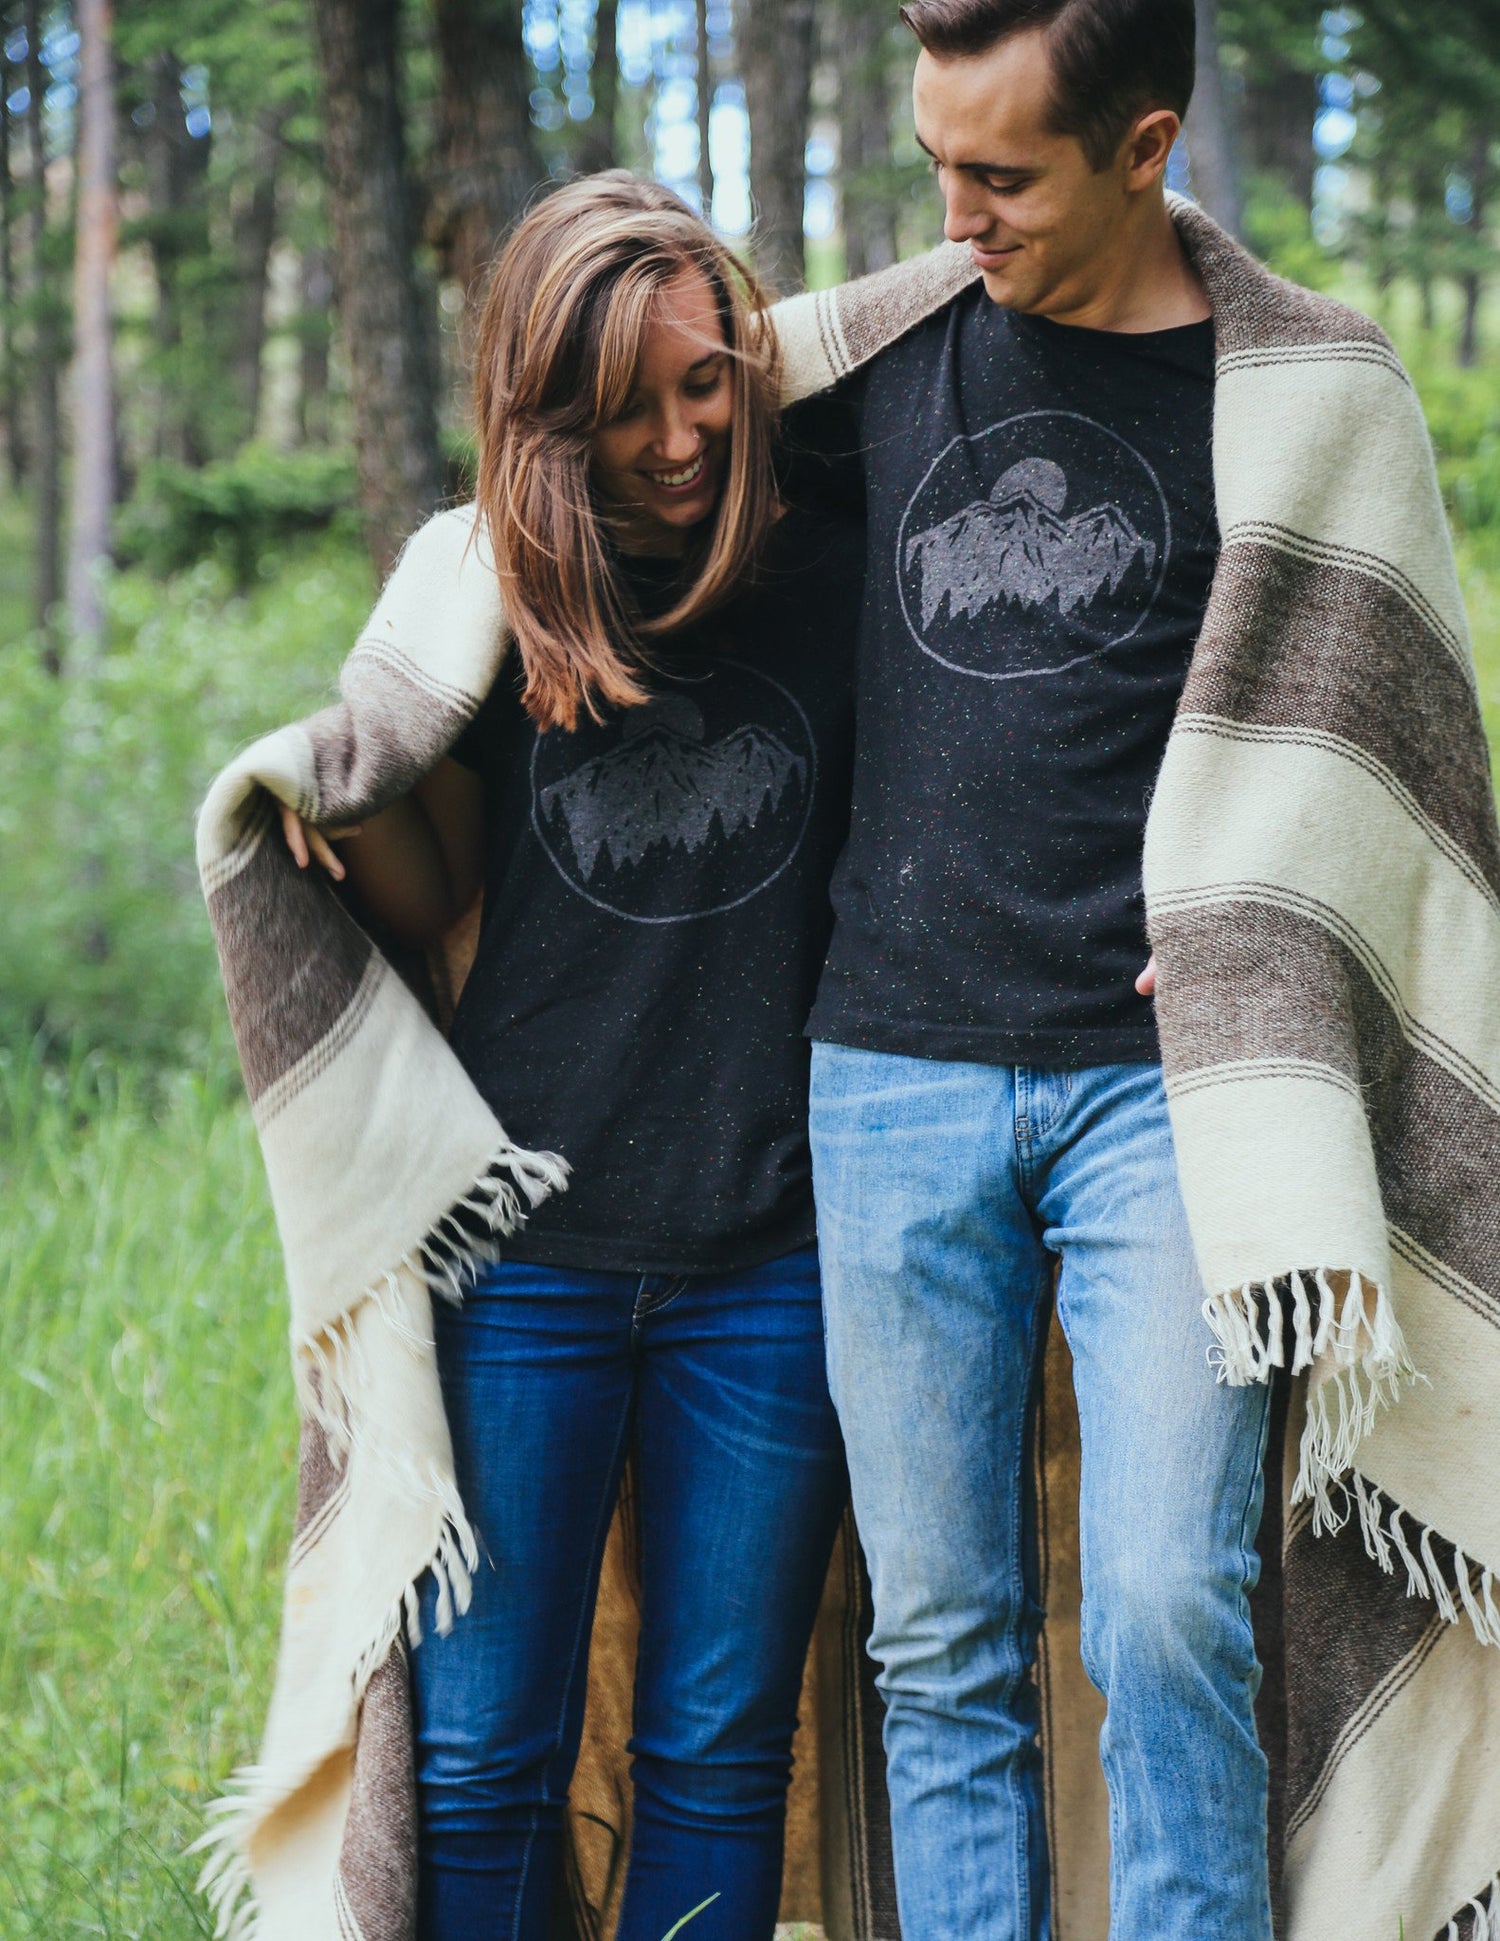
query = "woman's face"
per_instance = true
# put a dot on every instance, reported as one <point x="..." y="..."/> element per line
<point x="661" y="462"/>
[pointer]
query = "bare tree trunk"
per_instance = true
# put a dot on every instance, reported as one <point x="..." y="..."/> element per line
<point x="1472" y="281"/>
<point x="388" y="328"/>
<point x="865" y="162"/>
<point x="776" y="57"/>
<point x="177" y="227"/>
<point x="314" y="329"/>
<point x="93" y="489"/>
<point x="705" y="113"/>
<point x="487" y="161"/>
<point x="600" y="147"/>
<point x="10" y="389"/>
<point x="1210" y="138"/>
<point x="44" y="356"/>
<point x="1281" y="105"/>
<point x="255" y="235"/>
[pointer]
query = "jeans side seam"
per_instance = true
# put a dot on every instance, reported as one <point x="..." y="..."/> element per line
<point x="601" y="1531"/>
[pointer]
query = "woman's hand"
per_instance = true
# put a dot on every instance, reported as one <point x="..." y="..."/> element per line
<point x="308" y="844"/>
<point x="1146" y="982"/>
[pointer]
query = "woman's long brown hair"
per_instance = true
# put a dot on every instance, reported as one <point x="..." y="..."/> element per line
<point x="572" y="297"/>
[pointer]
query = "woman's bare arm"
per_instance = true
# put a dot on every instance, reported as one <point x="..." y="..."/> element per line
<point x="418" y="864"/>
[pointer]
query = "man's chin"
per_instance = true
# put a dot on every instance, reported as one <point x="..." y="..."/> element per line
<point x="1005" y="282"/>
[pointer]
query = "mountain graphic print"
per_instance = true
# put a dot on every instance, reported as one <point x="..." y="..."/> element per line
<point x="999" y="578"/>
<point x="684" y="806"/>
<point x="1016" y="546"/>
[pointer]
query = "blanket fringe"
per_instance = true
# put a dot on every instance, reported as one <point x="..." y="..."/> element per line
<point x="329" y="1362"/>
<point x="252" y="1793"/>
<point x="1473" y="1587"/>
<point x="1486" y="1917"/>
<point x="332" y="1372"/>
<point x="1361" y="1335"/>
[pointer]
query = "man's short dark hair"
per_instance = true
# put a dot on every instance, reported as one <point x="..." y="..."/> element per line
<point x="1112" y="60"/>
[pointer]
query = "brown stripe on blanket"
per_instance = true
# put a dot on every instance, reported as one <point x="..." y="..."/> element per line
<point x="322" y="1479"/>
<point x="1324" y="636"/>
<point x="293" y="960"/>
<point x="924" y="286"/>
<point x="1257" y="982"/>
<point x="1254" y="310"/>
<point x="377" y="1868"/>
<point x="388" y="733"/>
<point x="1353" y="1639"/>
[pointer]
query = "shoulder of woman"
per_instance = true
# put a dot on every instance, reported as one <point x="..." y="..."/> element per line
<point x="441" y="607"/>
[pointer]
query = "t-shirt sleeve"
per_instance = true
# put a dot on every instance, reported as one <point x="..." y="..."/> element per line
<point x="820" y="462"/>
<point x="476" y="738"/>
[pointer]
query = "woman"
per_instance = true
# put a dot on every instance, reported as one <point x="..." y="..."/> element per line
<point x="652" y="799"/>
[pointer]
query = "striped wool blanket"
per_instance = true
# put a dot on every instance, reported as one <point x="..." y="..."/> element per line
<point x="1322" y="875"/>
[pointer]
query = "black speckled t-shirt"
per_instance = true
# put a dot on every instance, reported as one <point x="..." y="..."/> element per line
<point x="1041" y="544"/>
<point x="656" y="915"/>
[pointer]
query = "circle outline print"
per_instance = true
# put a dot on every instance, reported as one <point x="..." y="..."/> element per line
<point x="1074" y="660"/>
<point x="793" y="845"/>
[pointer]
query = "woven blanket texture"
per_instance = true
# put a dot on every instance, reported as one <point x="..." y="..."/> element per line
<point x="1322" y="875"/>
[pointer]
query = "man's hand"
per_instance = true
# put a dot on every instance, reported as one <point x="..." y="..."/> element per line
<point x="1146" y="982"/>
<point x="309" y="844"/>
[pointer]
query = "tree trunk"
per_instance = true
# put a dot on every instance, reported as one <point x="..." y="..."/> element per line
<point x="1472" y="281"/>
<point x="776" y="57"/>
<point x="1281" y="105"/>
<point x="47" y="444"/>
<point x="487" y="161"/>
<point x="705" y="81"/>
<point x="388" y="328"/>
<point x="177" y="226"/>
<point x="599" y="147"/>
<point x="865" y="163"/>
<point x="93" y="489"/>
<point x="314" y="329"/>
<point x="10" y="389"/>
<point x="255" y="237"/>
<point x="1210" y="139"/>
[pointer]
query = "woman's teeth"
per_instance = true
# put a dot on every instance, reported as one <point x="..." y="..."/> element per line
<point x="685" y="477"/>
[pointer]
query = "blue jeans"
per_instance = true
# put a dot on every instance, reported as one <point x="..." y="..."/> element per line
<point x="549" y="1376"/>
<point x="945" y="1191"/>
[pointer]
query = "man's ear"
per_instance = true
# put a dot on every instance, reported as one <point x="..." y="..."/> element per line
<point x="1148" y="145"/>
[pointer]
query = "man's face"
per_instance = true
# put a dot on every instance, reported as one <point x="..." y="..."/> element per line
<point x="1036" y="215"/>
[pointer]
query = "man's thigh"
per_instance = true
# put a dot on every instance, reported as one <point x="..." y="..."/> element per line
<point x="935" y="1291"/>
<point x="1171" y="1458"/>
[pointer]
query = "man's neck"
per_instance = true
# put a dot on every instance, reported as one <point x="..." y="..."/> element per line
<point x="1145" y="283"/>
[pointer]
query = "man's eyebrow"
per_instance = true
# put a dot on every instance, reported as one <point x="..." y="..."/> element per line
<point x="979" y="168"/>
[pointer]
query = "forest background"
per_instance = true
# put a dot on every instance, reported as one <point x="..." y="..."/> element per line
<point x="238" y="248"/>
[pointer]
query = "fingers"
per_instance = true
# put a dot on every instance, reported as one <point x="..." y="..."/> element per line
<point x="311" y="845"/>
<point x="296" y="840"/>
<point x="319" y="845"/>
<point x="1146" y="982"/>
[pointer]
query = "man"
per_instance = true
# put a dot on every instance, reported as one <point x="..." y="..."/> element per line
<point x="987" y="1092"/>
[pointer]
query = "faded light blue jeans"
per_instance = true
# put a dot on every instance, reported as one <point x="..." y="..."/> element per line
<point x="946" y="1191"/>
<point x="550" y="1375"/>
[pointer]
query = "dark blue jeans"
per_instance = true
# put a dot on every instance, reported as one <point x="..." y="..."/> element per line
<point x="550" y="1375"/>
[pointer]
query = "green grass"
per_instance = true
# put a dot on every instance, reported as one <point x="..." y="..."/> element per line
<point x="145" y="1483"/>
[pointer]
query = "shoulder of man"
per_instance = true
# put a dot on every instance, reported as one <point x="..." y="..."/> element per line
<point x="825" y="335"/>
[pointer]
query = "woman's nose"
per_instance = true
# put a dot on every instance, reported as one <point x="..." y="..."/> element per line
<point x="677" y="435"/>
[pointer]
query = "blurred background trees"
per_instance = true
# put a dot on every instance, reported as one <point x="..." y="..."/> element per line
<point x="309" y="191"/>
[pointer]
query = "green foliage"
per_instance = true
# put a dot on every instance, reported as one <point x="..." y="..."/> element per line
<point x="239" y="510"/>
<point x="103" y="777"/>
<point x="1278" y="227"/>
<point x="146" y="1482"/>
